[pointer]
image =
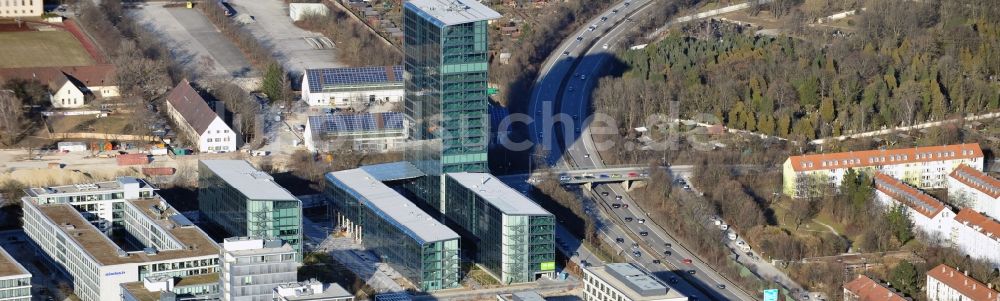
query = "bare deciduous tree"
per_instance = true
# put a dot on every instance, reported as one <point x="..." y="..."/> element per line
<point x="11" y="117"/>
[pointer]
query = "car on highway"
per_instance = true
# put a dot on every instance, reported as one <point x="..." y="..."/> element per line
<point x="618" y="197"/>
<point x="604" y="193"/>
<point x="643" y="233"/>
<point x="643" y="175"/>
<point x="628" y="219"/>
<point x="620" y="240"/>
<point x="627" y="3"/>
<point x="614" y="11"/>
<point x="642" y="221"/>
<point x="668" y="245"/>
<point x="691" y="272"/>
<point x="636" y="253"/>
<point x="586" y="155"/>
<point x="667" y="253"/>
<point x="616" y="176"/>
<point x="687" y="187"/>
<point x="580" y="38"/>
<point x="605" y="46"/>
<point x="565" y="52"/>
<point x="604" y="176"/>
<point x="686" y="260"/>
<point x="635" y="246"/>
<point x="721" y="286"/>
<point x="604" y="19"/>
<point x="592" y="27"/>
<point x="616" y="205"/>
<point x="564" y="178"/>
<point x="656" y="261"/>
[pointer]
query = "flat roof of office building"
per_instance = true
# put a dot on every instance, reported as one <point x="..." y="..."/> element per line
<point x="634" y="283"/>
<point x="330" y="291"/>
<point x="392" y="206"/>
<point x="253" y="183"/>
<point x="87" y="187"/>
<point x="139" y="291"/>
<point x="452" y="12"/>
<point x="9" y="266"/>
<point x="105" y="252"/>
<point x="392" y="171"/>
<point x="491" y="189"/>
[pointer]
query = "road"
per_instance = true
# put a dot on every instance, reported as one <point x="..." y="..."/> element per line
<point x="582" y="55"/>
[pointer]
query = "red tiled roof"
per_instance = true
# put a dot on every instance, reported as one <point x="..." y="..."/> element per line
<point x="984" y="224"/>
<point x="885" y="157"/>
<point x="965" y="285"/>
<point x="191" y="106"/>
<point x="89" y="76"/>
<point x="907" y="195"/>
<point x="977" y="179"/>
<point x="868" y="290"/>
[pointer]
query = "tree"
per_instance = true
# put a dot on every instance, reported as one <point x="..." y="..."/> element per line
<point x="274" y="82"/>
<point x="11" y="117"/>
<point x="899" y="223"/>
<point x="906" y="278"/>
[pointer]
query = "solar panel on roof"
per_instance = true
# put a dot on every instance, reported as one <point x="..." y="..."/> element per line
<point x="344" y="123"/>
<point x="320" y="78"/>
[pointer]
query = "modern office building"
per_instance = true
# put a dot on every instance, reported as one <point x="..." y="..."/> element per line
<point x="971" y="188"/>
<point x="101" y="201"/>
<point x="866" y="289"/>
<point x="345" y="87"/>
<point x="929" y="215"/>
<point x="365" y="132"/>
<point x="625" y="282"/>
<point x="410" y="241"/>
<point x="311" y="290"/>
<point x="15" y="280"/>
<point x="503" y="231"/>
<point x="165" y="288"/>
<point x="244" y="201"/>
<point x="155" y="240"/>
<point x="945" y="283"/>
<point x="520" y="296"/>
<point x="923" y="167"/>
<point x="251" y="268"/>
<point x="445" y="62"/>
<point x="976" y="235"/>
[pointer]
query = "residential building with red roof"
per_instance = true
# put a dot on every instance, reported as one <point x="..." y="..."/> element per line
<point x="69" y="87"/>
<point x="193" y="116"/>
<point x="927" y="213"/>
<point x="866" y="289"/>
<point x="923" y="167"/>
<point x="971" y="188"/>
<point x="976" y="235"/>
<point x="945" y="283"/>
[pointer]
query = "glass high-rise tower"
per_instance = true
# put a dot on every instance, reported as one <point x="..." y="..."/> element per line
<point x="445" y="73"/>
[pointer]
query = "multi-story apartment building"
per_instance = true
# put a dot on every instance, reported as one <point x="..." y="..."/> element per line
<point x="346" y="87"/>
<point x="20" y="8"/>
<point x="866" y="289"/>
<point x="503" y="231"/>
<point x="446" y="56"/>
<point x="311" y="290"/>
<point x="155" y="240"/>
<point x="366" y="132"/>
<point x="251" y="268"/>
<point x="945" y="283"/>
<point x="244" y="201"/>
<point x="976" y="235"/>
<point x="927" y="213"/>
<point x="625" y="282"/>
<point x="923" y="167"/>
<point x="15" y="280"/>
<point x="971" y="188"/>
<point x="409" y="240"/>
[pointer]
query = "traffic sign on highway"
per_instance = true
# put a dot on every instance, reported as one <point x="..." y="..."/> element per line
<point x="771" y="295"/>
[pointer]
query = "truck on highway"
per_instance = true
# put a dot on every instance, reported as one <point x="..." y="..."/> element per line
<point x="732" y="235"/>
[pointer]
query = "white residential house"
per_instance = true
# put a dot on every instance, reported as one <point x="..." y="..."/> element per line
<point x="344" y="87"/>
<point x="20" y="8"/>
<point x="945" y="283"/>
<point x="971" y="188"/>
<point x="927" y="213"/>
<point x="198" y="121"/>
<point x="976" y="235"/>
<point x="69" y="87"/>
<point x="922" y="167"/>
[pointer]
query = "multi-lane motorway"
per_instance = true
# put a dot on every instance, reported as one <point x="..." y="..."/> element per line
<point x="564" y="86"/>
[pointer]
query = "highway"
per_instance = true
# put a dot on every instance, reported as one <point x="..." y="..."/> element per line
<point x="568" y="76"/>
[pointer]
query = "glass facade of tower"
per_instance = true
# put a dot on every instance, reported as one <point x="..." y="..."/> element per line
<point x="226" y="207"/>
<point x="445" y="74"/>
<point x="514" y="248"/>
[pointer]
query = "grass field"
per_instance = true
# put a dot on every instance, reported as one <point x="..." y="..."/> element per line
<point x="75" y="124"/>
<point x="41" y="49"/>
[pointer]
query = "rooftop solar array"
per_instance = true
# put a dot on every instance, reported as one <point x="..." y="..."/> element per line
<point x="340" y="123"/>
<point x="330" y="77"/>
<point x="912" y="197"/>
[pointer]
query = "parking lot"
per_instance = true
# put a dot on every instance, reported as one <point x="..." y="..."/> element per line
<point x="296" y="48"/>
<point x="195" y="42"/>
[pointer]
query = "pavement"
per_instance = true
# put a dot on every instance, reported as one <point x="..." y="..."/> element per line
<point x="352" y="255"/>
<point x="295" y="48"/>
<point x="195" y="42"/>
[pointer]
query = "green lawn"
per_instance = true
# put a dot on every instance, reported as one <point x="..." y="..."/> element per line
<point x="41" y="49"/>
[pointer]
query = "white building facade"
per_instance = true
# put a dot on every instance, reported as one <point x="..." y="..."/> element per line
<point x="20" y="8"/>
<point x="170" y="245"/>
<point x="976" y="235"/>
<point x="928" y="214"/>
<point x="625" y="282"/>
<point x="66" y="95"/>
<point x="922" y="167"/>
<point x="311" y="290"/>
<point x="346" y="87"/>
<point x="251" y="268"/>
<point x="15" y="280"/>
<point x="945" y="283"/>
<point x="971" y="188"/>
<point x="364" y="132"/>
<point x="197" y="121"/>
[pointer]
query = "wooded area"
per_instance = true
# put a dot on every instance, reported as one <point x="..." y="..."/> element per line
<point x="915" y="62"/>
